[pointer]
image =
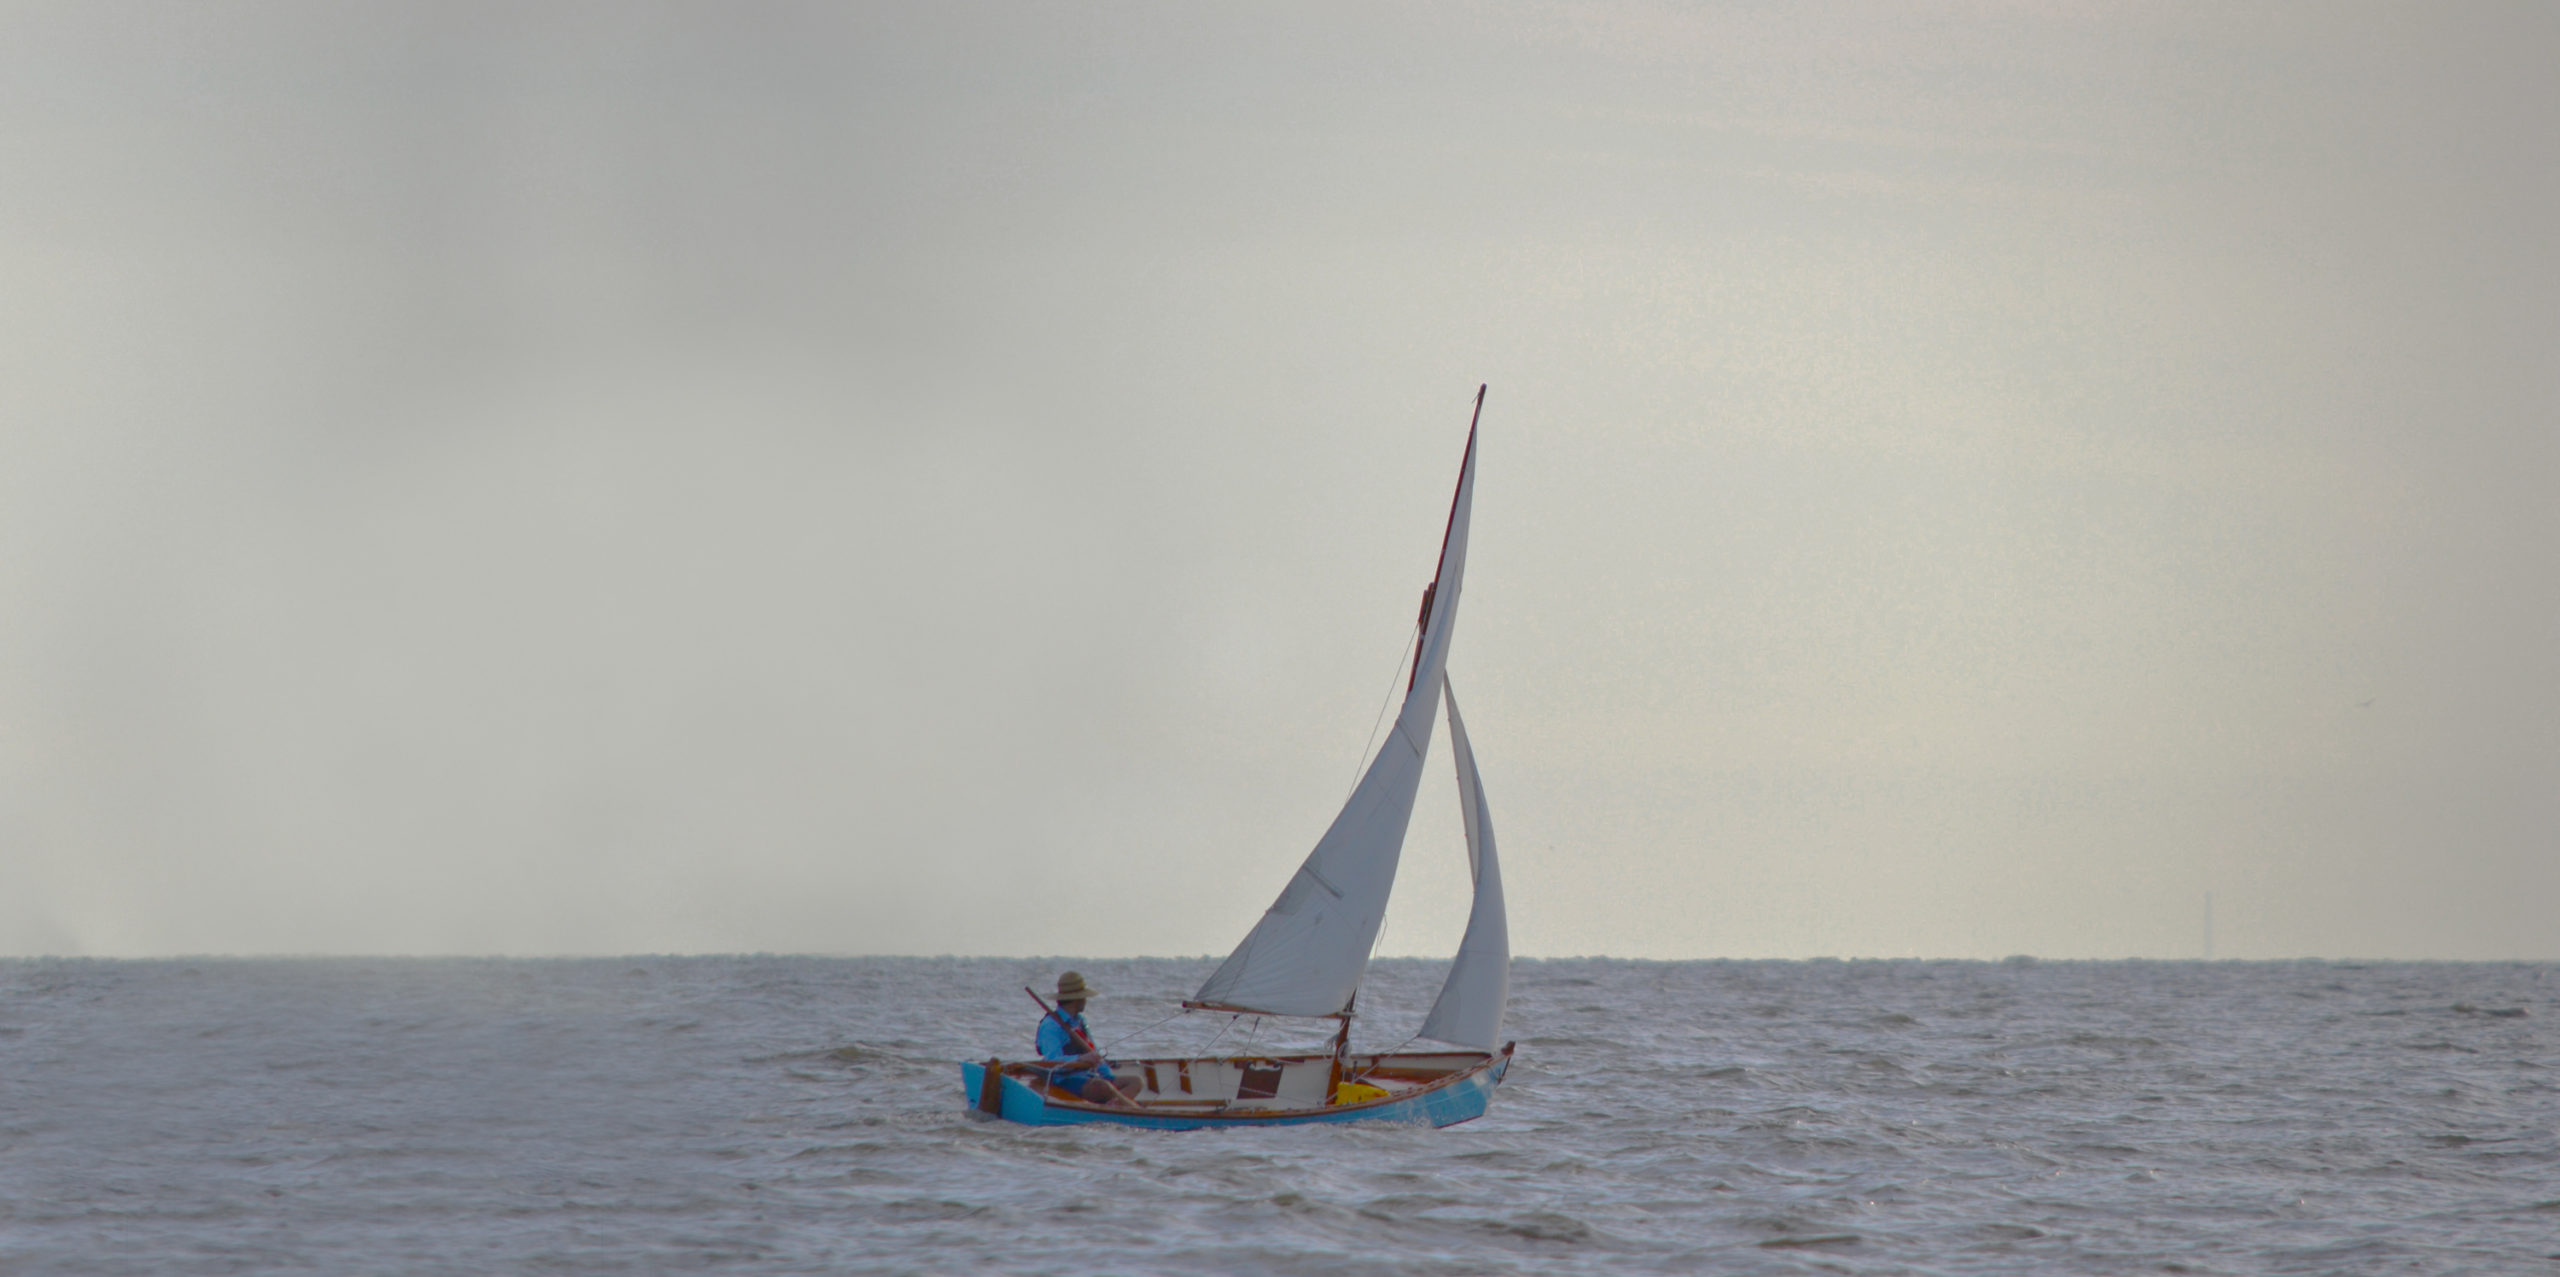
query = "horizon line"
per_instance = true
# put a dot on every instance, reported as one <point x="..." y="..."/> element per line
<point x="1051" y="958"/>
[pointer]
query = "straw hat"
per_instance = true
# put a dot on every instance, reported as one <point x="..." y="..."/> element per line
<point x="1072" y="988"/>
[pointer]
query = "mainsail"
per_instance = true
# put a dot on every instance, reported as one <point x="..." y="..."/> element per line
<point x="1469" y="1010"/>
<point x="1307" y="954"/>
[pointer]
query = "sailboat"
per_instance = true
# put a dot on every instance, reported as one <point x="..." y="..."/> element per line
<point x="1306" y="956"/>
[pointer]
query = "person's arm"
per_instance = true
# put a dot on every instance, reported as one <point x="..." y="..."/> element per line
<point x="1057" y="1046"/>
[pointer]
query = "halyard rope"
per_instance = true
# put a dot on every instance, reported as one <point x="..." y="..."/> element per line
<point x="1380" y="720"/>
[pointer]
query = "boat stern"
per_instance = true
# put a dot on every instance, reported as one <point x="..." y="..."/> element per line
<point x="991" y="1094"/>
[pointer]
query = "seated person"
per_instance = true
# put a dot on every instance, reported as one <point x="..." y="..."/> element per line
<point x="1067" y="1046"/>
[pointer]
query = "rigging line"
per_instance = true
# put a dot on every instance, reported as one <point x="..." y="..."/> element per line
<point x="1232" y="1021"/>
<point x="1135" y="1032"/>
<point x="1378" y="1060"/>
<point x="1380" y="720"/>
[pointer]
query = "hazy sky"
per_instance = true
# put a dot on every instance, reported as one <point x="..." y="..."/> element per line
<point x="1958" y="480"/>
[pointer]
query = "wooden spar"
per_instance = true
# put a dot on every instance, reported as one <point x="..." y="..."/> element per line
<point x="1232" y="1009"/>
<point x="1430" y="593"/>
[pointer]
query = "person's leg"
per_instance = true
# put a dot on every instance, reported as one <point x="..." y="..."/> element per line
<point x="1101" y="1091"/>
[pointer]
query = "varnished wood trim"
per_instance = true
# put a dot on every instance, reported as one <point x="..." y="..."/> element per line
<point x="1267" y="1114"/>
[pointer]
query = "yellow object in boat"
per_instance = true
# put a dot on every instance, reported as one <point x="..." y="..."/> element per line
<point x="1358" y="1093"/>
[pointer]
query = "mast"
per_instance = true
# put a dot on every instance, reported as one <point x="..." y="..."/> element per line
<point x="1431" y="592"/>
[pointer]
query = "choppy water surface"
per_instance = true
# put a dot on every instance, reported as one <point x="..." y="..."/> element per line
<point x="804" y="1114"/>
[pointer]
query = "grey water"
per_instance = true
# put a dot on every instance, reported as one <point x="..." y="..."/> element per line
<point x="789" y="1114"/>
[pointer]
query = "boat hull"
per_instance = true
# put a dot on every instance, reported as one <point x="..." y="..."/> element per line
<point x="1459" y="1097"/>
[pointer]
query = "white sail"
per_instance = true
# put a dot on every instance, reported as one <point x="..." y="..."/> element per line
<point x="1469" y="1010"/>
<point x="1306" y="955"/>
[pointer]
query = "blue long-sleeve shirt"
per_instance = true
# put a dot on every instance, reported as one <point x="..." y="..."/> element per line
<point x="1058" y="1045"/>
<point x="1056" y="1042"/>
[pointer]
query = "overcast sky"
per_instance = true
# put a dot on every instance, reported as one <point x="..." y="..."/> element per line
<point x="1958" y="480"/>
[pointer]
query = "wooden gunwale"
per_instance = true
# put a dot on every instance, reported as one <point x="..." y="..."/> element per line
<point x="1224" y="1113"/>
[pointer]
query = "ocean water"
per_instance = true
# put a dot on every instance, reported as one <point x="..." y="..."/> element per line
<point x="781" y="1114"/>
